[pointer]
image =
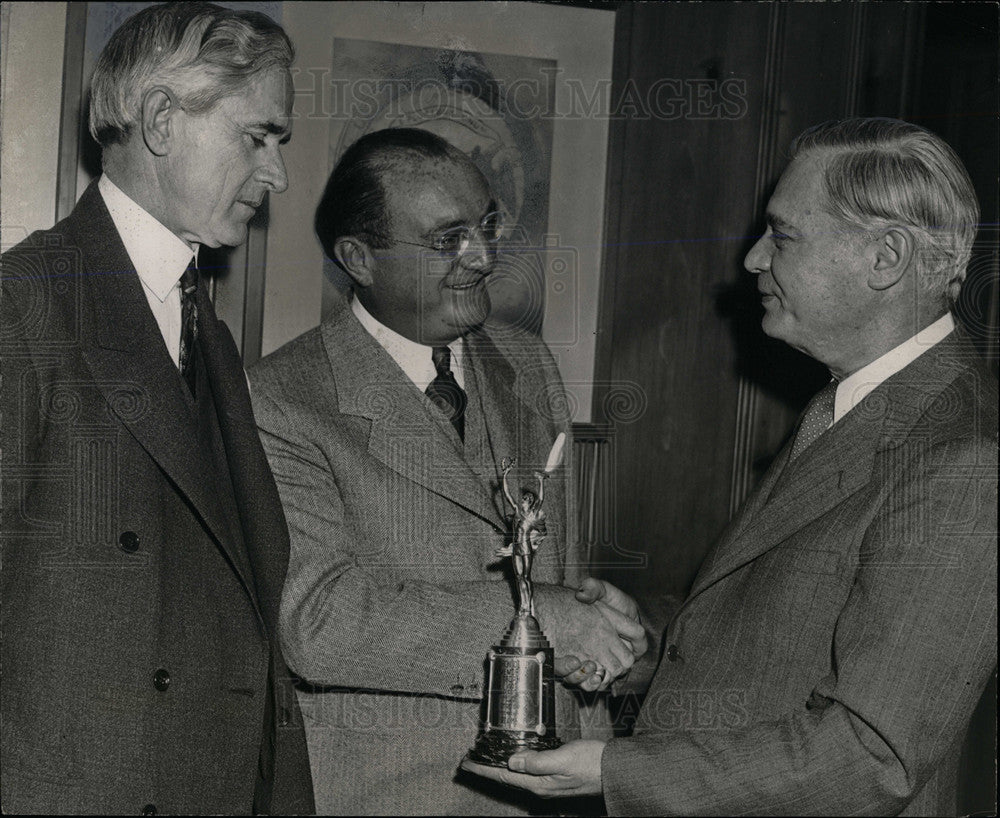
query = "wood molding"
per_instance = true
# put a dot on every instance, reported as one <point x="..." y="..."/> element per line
<point x="72" y="112"/>
<point x="748" y="392"/>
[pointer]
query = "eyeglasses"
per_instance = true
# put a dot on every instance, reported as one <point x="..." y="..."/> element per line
<point x="455" y="241"/>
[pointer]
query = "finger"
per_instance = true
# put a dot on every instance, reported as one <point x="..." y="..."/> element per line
<point x="539" y="762"/>
<point x="592" y="683"/>
<point x="620" y="601"/>
<point x="614" y="654"/>
<point x="578" y="676"/>
<point x="565" y="665"/>
<point x="628" y="629"/>
<point x="587" y="669"/>
<point x="590" y="590"/>
<point x="502" y="775"/>
<point x="604" y="679"/>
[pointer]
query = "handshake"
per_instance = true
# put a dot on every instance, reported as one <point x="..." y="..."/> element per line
<point x="595" y="632"/>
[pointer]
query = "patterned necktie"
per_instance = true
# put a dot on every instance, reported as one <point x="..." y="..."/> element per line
<point x="445" y="392"/>
<point x="189" y="325"/>
<point x="817" y="418"/>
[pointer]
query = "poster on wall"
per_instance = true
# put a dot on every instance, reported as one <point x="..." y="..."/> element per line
<point x="479" y="103"/>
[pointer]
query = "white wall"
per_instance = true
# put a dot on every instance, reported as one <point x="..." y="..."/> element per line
<point x="33" y="38"/>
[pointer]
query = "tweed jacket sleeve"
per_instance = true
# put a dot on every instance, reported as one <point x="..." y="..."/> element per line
<point x="392" y="584"/>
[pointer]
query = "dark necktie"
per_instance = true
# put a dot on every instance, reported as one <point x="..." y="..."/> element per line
<point x="816" y="419"/>
<point x="445" y="392"/>
<point x="189" y="325"/>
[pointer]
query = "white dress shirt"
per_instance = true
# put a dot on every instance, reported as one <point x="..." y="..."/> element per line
<point x="855" y="387"/>
<point x="159" y="257"/>
<point x="413" y="358"/>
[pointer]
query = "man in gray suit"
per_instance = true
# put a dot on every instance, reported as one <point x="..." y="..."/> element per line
<point x="386" y="428"/>
<point x="836" y="640"/>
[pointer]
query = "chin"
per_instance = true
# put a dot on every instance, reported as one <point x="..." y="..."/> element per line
<point x="233" y="236"/>
<point x="774" y="326"/>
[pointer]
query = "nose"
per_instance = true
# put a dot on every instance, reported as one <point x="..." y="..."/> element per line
<point x="758" y="260"/>
<point x="272" y="170"/>
<point x="480" y="254"/>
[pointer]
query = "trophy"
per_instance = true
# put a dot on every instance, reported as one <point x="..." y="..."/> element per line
<point x="520" y="688"/>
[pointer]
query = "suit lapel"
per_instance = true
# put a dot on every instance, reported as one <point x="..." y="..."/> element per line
<point x="134" y="371"/>
<point x="408" y="435"/>
<point x="227" y="383"/>
<point x="839" y="463"/>
<point x="510" y="418"/>
<point x="822" y="477"/>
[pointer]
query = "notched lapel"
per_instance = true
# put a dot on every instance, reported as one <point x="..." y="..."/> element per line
<point x="840" y="462"/>
<point x="518" y="405"/>
<point x="406" y="435"/>
<point x="832" y="469"/>
<point x="131" y="365"/>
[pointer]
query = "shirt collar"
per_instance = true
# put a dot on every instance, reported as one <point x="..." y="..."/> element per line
<point x="413" y="358"/>
<point x="854" y="388"/>
<point x="159" y="256"/>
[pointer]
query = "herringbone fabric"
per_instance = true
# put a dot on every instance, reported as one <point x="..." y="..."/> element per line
<point x="394" y="593"/>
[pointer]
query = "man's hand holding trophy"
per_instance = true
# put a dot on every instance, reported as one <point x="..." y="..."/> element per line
<point x="520" y="689"/>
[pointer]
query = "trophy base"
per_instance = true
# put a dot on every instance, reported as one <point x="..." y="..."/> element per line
<point x="520" y="696"/>
<point x="495" y="747"/>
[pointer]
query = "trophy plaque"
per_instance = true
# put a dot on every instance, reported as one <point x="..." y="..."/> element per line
<point x="520" y="685"/>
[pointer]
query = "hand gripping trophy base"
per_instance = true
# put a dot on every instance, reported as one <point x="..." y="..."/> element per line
<point x="520" y="695"/>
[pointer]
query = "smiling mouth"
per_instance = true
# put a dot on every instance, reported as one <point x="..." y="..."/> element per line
<point x="466" y="286"/>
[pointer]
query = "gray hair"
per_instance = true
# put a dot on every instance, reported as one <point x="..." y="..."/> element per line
<point x="201" y="51"/>
<point x="885" y="172"/>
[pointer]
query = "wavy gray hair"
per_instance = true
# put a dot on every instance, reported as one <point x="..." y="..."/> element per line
<point x="201" y="51"/>
<point x="885" y="172"/>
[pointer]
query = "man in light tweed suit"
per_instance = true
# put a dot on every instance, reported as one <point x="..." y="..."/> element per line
<point x="836" y="640"/>
<point x="386" y="428"/>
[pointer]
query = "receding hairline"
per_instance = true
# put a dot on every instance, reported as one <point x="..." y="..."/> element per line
<point x="394" y="158"/>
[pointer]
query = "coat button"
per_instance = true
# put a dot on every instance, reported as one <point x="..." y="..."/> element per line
<point x="129" y="542"/>
<point x="149" y="809"/>
<point x="672" y="653"/>
<point x="457" y="690"/>
<point x="161" y="679"/>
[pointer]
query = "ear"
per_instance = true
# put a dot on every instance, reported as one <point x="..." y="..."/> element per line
<point x="356" y="258"/>
<point x="894" y="250"/>
<point x="158" y="107"/>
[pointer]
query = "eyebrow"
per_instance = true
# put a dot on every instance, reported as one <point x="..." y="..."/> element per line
<point x="440" y="228"/>
<point x="776" y="222"/>
<point x="273" y="128"/>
